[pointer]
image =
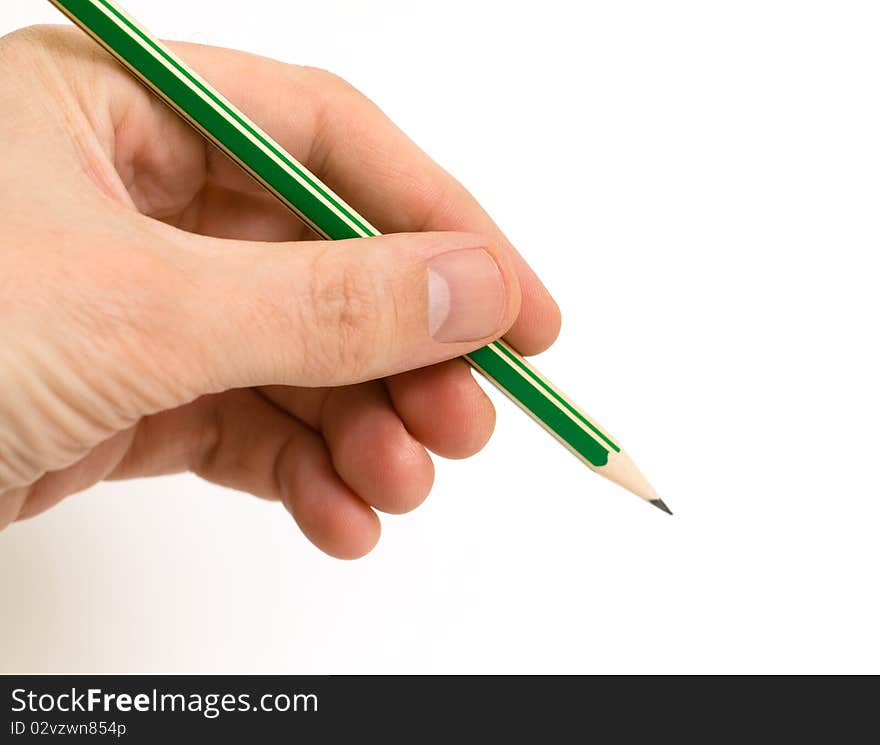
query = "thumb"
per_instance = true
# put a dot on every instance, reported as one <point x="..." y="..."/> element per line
<point x="332" y="313"/>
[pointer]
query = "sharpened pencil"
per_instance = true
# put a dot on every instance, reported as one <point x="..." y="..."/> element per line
<point x="327" y="214"/>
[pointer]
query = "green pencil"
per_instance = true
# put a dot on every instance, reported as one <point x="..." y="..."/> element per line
<point x="329" y="216"/>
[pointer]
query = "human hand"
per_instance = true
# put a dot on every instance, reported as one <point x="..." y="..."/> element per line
<point x="160" y="312"/>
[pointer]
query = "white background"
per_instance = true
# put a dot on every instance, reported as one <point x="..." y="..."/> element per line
<point x="708" y="221"/>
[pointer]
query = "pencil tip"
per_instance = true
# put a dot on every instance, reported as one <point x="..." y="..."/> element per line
<point x="661" y="505"/>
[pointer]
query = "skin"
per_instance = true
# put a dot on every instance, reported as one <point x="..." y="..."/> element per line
<point x="159" y="312"/>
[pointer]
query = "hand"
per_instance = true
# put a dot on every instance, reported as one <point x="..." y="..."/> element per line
<point x="160" y="312"/>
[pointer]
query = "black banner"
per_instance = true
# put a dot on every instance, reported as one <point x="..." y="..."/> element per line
<point x="267" y="709"/>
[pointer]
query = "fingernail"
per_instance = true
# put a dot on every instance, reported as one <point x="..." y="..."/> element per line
<point x="465" y="296"/>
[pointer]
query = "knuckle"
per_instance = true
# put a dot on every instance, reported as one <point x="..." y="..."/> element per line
<point x="329" y="82"/>
<point x="23" y="37"/>
<point x="324" y="95"/>
<point x="24" y="44"/>
<point x="341" y="314"/>
<point x="332" y="94"/>
<point x="18" y="49"/>
<point x="438" y="203"/>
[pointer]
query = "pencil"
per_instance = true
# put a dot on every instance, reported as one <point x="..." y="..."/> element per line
<point x="329" y="216"/>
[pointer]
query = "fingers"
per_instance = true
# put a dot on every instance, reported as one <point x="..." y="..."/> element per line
<point x="372" y="450"/>
<point x="377" y="446"/>
<point x="370" y="446"/>
<point x="334" y="313"/>
<point x="364" y="157"/>
<point x="242" y="441"/>
<point x="444" y="408"/>
<point x="327" y="511"/>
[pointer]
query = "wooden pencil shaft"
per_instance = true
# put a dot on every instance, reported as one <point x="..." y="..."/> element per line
<point x="326" y="213"/>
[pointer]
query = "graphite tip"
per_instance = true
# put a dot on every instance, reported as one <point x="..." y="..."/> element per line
<point x="661" y="505"/>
